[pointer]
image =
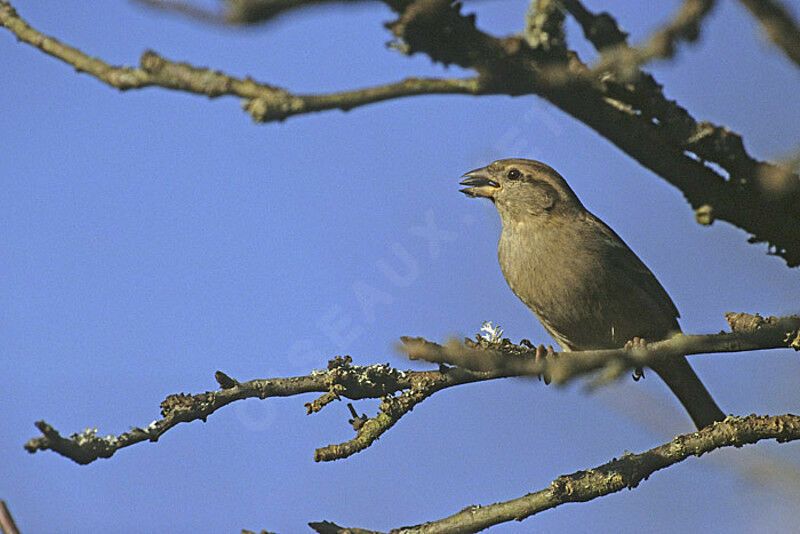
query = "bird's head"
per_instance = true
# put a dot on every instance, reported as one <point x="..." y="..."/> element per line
<point x="521" y="188"/>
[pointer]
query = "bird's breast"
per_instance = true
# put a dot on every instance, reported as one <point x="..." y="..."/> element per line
<point x="538" y="268"/>
<point x="559" y="283"/>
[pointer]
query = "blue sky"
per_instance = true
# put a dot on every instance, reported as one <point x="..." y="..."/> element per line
<point x="150" y="238"/>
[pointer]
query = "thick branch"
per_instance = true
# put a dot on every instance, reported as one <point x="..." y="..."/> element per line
<point x="779" y="26"/>
<point x="749" y="182"/>
<point x="756" y="196"/>
<point x="626" y="472"/>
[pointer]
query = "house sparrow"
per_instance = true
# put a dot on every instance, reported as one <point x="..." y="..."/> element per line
<point x="577" y="276"/>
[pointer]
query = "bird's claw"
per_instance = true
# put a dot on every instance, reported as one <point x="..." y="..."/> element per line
<point x="637" y="343"/>
<point x="542" y="353"/>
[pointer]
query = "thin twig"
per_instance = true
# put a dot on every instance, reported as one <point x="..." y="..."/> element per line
<point x="544" y="26"/>
<point x="778" y="24"/>
<point x="264" y="102"/>
<point x="600" y="29"/>
<point x="236" y="12"/>
<point x="7" y="524"/>
<point x="684" y="26"/>
<point x="260" y="11"/>
<point x="393" y="408"/>
<point x="185" y="9"/>
<point x="625" y="472"/>
<point x="350" y="381"/>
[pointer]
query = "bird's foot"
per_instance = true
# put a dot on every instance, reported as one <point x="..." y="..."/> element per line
<point x="542" y="353"/>
<point x="640" y="343"/>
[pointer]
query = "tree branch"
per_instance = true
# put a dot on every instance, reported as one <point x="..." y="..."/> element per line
<point x="756" y="196"/>
<point x="628" y="471"/>
<point x="421" y="385"/>
<point x="708" y="163"/>
<point x="685" y="26"/>
<point x="7" y="523"/>
<point x="544" y="26"/>
<point x="600" y="29"/>
<point x="264" y="102"/>
<point x="258" y="11"/>
<point x="477" y="360"/>
<point x="244" y="12"/>
<point x="617" y="55"/>
<point x="340" y="379"/>
<point x="186" y="9"/>
<point x="778" y="24"/>
<point x="749" y="332"/>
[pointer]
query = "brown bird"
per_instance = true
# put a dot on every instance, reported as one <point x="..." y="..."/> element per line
<point x="577" y="276"/>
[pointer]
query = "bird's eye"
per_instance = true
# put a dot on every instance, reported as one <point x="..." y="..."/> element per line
<point x="514" y="174"/>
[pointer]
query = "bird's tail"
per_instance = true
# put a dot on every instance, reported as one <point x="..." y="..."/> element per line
<point x="685" y="384"/>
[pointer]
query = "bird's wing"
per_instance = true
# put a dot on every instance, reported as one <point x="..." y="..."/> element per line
<point x="634" y="276"/>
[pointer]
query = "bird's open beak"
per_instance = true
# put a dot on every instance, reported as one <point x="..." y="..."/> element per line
<point x="480" y="184"/>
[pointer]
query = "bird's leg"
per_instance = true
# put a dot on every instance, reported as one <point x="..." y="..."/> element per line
<point x="637" y="342"/>
<point x="542" y="354"/>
